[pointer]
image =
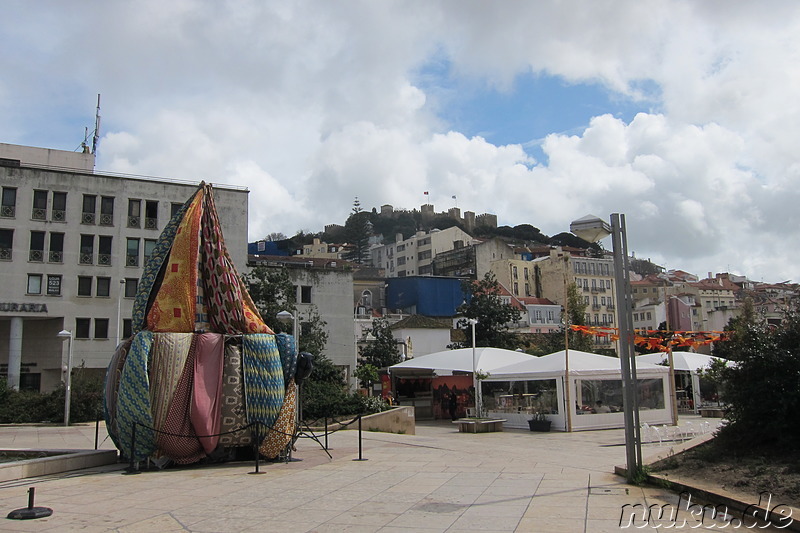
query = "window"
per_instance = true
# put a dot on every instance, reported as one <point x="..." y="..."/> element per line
<point x="84" y="285"/>
<point x="39" y="211"/>
<point x="59" y="212"/>
<point x="103" y="287"/>
<point x="401" y="260"/>
<point x="525" y="270"/>
<point x="53" y="285"/>
<point x="173" y="209"/>
<point x="86" y="256"/>
<point x="649" y="315"/>
<point x="8" y="206"/>
<point x="151" y="214"/>
<point x="644" y="289"/>
<point x="426" y="254"/>
<point x="149" y="246"/>
<point x="100" y="328"/>
<point x="516" y="288"/>
<point x="527" y="289"/>
<point x="305" y="294"/>
<point x="89" y="209"/>
<point x="514" y="272"/>
<point x="36" y="252"/>
<point x="34" y="284"/>
<point x="6" y="244"/>
<point x="104" y="250"/>
<point x="127" y="328"/>
<point x="132" y="253"/>
<point x="82" y="326"/>
<point x="134" y="213"/>
<point x="131" y="286"/>
<point x="107" y="211"/>
<point x="56" y="248"/>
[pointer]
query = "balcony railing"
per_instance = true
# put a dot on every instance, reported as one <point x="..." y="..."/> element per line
<point x="8" y="211"/>
<point x="36" y="256"/>
<point x="39" y="214"/>
<point x="56" y="257"/>
<point x="150" y="223"/>
<point x="106" y="220"/>
<point x="134" y="222"/>
<point x="104" y="259"/>
<point x="59" y="215"/>
<point x="87" y="218"/>
<point x="131" y="260"/>
<point x="86" y="258"/>
<point x="5" y="254"/>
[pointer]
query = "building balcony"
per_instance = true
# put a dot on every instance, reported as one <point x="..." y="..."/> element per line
<point x="87" y="218"/>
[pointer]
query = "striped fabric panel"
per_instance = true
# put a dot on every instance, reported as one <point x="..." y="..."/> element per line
<point x="206" y="395"/>
<point x="133" y="400"/>
<point x="279" y="437"/>
<point x="288" y="350"/>
<point x="263" y="379"/>
<point x="169" y="354"/>
<point x="148" y="282"/>
<point x="180" y="442"/>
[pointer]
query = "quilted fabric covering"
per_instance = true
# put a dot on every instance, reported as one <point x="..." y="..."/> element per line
<point x="263" y="378"/>
<point x="288" y="350"/>
<point x="207" y="391"/>
<point x="133" y="400"/>
<point x="169" y="354"/>
<point x="232" y="411"/>
<point x="281" y="433"/>
<point x="113" y="375"/>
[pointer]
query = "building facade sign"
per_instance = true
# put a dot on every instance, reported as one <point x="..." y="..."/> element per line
<point x="10" y="307"/>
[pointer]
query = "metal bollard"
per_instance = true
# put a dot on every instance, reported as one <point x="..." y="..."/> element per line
<point x="360" y="458"/>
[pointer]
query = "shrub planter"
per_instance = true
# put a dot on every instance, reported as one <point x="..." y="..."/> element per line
<point x="539" y="425"/>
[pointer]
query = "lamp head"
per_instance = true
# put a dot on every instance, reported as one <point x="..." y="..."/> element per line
<point x="285" y="316"/>
<point x="64" y="334"/>
<point x="590" y="228"/>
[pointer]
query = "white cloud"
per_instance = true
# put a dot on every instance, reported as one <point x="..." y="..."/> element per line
<point x="311" y="103"/>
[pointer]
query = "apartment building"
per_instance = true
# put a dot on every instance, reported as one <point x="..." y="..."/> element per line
<point x="414" y="256"/>
<point x="73" y="244"/>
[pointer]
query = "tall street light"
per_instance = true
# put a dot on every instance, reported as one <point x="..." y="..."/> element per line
<point x="67" y="335"/>
<point x="286" y="316"/>
<point x="591" y="228"/>
<point x="473" y="322"/>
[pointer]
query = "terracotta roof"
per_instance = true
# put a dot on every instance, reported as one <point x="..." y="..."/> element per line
<point x="536" y="301"/>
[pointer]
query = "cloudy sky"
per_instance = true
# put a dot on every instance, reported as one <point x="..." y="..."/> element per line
<point x="683" y="115"/>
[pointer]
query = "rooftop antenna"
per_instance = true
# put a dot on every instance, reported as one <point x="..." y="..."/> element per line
<point x="96" y="136"/>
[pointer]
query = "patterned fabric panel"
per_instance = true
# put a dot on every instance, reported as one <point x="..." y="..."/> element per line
<point x="113" y="375"/>
<point x="153" y="266"/>
<point x="206" y="395"/>
<point x="133" y="400"/>
<point x="232" y="415"/>
<point x="230" y="308"/>
<point x="288" y="351"/>
<point x="201" y="324"/>
<point x="263" y="379"/>
<point x="169" y="354"/>
<point x="174" y="306"/>
<point x="282" y="432"/>
<point x="179" y="441"/>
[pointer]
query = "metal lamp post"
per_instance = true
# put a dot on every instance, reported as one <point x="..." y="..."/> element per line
<point x="591" y="228"/>
<point x="473" y="322"/>
<point x="286" y="316"/>
<point x="67" y="335"/>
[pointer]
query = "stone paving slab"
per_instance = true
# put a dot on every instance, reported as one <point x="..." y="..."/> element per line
<point x="438" y="480"/>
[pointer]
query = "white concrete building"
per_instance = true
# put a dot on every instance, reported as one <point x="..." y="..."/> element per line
<point x="73" y="244"/>
<point x="414" y="256"/>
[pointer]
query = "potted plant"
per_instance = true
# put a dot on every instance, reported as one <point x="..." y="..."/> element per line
<point x="539" y="422"/>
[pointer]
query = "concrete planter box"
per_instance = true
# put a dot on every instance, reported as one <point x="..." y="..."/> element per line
<point x="479" y="425"/>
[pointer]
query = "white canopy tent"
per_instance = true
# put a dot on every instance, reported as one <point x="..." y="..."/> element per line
<point x="592" y="377"/>
<point x="689" y="362"/>
<point x="488" y="359"/>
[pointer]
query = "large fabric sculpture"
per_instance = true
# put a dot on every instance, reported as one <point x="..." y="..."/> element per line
<point x="202" y="371"/>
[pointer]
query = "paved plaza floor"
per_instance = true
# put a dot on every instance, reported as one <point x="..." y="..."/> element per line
<point x="438" y="480"/>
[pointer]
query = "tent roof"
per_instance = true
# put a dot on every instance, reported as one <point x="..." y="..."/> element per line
<point x="580" y="364"/>
<point x="461" y="360"/>
<point x="687" y="361"/>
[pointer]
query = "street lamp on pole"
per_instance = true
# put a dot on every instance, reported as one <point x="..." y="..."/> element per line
<point x="591" y="228"/>
<point x="67" y="335"/>
<point x="119" y="310"/>
<point x="286" y="316"/>
<point x="473" y="322"/>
